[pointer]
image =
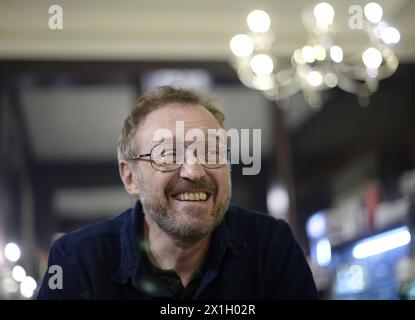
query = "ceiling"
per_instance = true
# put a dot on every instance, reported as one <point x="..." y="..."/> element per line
<point x="76" y="124"/>
<point x="83" y="124"/>
<point x="171" y="30"/>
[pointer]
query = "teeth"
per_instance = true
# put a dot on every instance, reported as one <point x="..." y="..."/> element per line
<point x="188" y="196"/>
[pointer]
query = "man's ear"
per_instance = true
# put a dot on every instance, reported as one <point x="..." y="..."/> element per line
<point x="127" y="176"/>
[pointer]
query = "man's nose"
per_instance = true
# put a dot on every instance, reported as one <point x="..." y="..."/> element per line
<point x="192" y="171"/>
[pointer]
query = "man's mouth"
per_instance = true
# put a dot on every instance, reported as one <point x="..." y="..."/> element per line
<point x="192" y="196"/>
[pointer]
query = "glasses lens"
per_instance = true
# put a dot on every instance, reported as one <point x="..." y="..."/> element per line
<point x="167" y="156"/>
<point x="211" y="154"/>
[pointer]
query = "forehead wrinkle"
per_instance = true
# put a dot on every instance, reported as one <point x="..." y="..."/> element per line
<point x="200" y="124"/>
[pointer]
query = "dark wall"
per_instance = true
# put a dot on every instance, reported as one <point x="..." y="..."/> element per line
<point x="343" y="131"/>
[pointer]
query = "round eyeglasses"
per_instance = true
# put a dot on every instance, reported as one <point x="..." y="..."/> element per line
<point x="167" y="157"/>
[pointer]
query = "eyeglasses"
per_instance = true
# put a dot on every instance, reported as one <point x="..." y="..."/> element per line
<point x="167" y="157"/>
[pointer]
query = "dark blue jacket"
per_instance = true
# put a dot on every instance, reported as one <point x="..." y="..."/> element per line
<point x="251" y="256"/>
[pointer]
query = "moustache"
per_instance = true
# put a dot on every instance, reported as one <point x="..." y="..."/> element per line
<point x="182" y="185"/>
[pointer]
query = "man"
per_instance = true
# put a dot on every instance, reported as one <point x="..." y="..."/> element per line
<point x="182" y="240"/>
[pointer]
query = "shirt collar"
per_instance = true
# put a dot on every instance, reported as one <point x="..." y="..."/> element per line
<point x="131" y="254"/>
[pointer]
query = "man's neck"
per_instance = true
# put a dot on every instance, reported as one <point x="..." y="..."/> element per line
<point x="184" y="257"/>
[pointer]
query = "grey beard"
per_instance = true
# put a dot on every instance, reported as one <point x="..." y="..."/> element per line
<point x="180" y="230"/>
<point x="175" y="225"/>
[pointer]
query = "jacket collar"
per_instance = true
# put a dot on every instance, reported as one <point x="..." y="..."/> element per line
<point x="131" y="253"/>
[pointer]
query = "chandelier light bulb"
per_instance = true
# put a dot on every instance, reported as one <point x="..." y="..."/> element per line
<point x="18" y="273"/>
<point x="373" y="12"/>
<point x="390" y="35"/>
<point x="315" y="78"/>
<point x="298" y="56"/>
<point x="27" y="287"/>
<point x="372" y="58"/>
<point x="262" y="64"/>
<point x="330" y="79"/>
<point x="241" y="45"/>
<point x="264" y="82"/>
<point x="308" y="54"/>
<point x="377" y="31"/>
<point x="258" y="21"/>
<point x="336" y="54"/>
<point x="12" y="252"/>
<point x="319" y="52"/>
<point x="372" y="72"/>
<point x="324" y="14"/>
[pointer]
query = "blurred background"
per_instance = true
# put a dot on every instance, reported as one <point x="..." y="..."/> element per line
<point x="338" y="125"/>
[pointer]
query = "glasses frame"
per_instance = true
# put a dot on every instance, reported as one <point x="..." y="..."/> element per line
<point x="154" y="165"/>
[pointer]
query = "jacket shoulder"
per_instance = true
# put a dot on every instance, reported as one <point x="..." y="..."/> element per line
<point x="93" y="235"/>
<point x="253" y="221"/>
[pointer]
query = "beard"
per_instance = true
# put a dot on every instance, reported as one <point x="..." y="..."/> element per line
<point x="190" y="224"/>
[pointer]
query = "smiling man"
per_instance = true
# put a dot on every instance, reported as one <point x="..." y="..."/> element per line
<point x="182" y="240"/>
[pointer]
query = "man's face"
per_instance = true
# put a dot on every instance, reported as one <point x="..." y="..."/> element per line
<point x="162" y="194"/>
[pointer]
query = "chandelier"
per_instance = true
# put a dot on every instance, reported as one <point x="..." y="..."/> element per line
<point x="321" y="63"/>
